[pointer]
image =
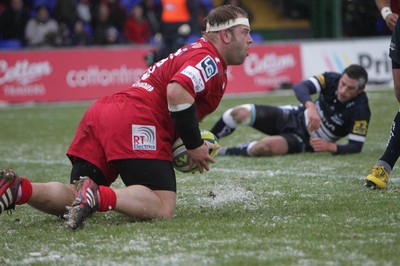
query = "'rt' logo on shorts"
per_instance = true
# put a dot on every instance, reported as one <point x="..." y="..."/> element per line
<point x="144" y="137"/>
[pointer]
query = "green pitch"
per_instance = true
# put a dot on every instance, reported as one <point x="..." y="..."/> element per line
<point x="307" y="209"/>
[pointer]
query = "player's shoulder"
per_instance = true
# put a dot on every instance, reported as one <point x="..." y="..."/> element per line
<point x="331" y="76"/>
<point x="362" y="99"/>
<point x="202" y="49"/>
<point x="328" y="80"/>
<point x="359" y="106"/>
<point x="199" y="56"/>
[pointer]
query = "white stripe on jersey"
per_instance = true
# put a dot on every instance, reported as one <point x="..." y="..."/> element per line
<point x="324" y="133"/>
<point x="316" y="84"/>
<point x="356" y="137"/>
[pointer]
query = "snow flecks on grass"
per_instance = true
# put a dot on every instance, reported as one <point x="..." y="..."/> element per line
<point x="179" y="258"/>
<point x="142" y="246"/>
<point x="41" y="257"/>
<point x="225" y="194"/>
<point x="246" y="173"/>
<point x="275" y="193"/>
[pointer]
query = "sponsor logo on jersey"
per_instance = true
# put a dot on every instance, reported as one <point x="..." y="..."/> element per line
<point x="208" y="67"/>
<point x="195" y="77"/>
<point x="360" y="127"/>
<point x="144" y="137"/>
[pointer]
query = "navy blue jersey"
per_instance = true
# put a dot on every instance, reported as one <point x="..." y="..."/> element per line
<point x="337" y="119"/>
<point x="394" y="50"/>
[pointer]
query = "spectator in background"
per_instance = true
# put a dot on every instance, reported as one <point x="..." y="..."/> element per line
<point x="13" y="21"/>
<point x="137" y="29"/>
<point x="240" y="4"/>
<point x="105" y="32"/>
<point x="84" y="11"/>
<point x="42" y="30"/>
<point x="178" y="18"/>
<point x="152" y="12"/>
<point x="116" y="12"/>
<point x="79" y="37"/>
<point x="203" y="7"/>
<point x="358" y="18"/>
<point x="65" y="14"/>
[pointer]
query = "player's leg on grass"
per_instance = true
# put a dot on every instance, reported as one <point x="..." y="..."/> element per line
<point x="9" y="187"/>
<point x="268" y="146"/>
<point x="284" y="143"/>
<point x="143" y="203"/>
<point x="136" y="201"/>
<point x="150" y="191"/>
<point x="379" y="176"/>
<point x="232" y="118"/>
<point x="50" y="198"/>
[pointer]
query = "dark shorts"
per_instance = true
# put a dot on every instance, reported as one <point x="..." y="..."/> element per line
<point x="285" y="121"/>
<point x="154" y="174"/>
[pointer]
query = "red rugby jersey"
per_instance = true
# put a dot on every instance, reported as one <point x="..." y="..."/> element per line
<point x="198" y="67"/>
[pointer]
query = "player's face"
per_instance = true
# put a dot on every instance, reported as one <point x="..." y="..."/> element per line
<point x="347" y="88"/>
<point x="240" y="44"/>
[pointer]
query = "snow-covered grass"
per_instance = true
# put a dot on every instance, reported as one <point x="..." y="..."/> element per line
<point x="307" y="209"/>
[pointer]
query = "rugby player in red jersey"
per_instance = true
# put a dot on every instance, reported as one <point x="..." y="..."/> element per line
<point x="130" y="133"/>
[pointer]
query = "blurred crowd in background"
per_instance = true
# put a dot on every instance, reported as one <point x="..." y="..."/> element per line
<point x="68" y="23"/>
<point x="41" y="23"/>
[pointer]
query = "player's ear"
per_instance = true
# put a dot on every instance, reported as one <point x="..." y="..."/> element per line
<point x="226" y="35"/>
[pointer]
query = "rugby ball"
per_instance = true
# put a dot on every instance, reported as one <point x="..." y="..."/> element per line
<point x="180" y="158"/>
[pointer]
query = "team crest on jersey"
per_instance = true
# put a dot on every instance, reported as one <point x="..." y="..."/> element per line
<point x="208" y="67"/>
<point x="360" y="127"/>
<point x="195" y="77"/>
<point x="144" y="137"/>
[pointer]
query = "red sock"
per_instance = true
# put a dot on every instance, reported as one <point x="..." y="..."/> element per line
<point x="108" y="199"/>
<point x="26" y="191"/>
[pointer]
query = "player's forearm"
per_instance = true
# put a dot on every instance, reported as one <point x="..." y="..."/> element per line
<point x="382" y="3"/>
<point x="384" y="8"/>
<point x="348" y="148"/>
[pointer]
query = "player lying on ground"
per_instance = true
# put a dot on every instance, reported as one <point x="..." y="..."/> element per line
<point x="131" y="133"/>
<point x="340" y="110"/>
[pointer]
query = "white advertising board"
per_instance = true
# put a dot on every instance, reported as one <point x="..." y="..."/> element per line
<point x="331" y="55"/>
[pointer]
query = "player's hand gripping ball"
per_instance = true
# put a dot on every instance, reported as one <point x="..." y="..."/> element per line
<point x="180" y="158"/>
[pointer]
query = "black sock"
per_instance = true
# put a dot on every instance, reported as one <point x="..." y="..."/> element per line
<point x="392" y="151"/>
<point x="221" y="129"/>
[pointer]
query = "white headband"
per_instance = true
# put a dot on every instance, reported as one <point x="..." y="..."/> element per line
<point x="228" y="24"/>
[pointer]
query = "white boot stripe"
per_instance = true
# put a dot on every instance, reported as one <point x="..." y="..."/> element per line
<point x="90" y="196"/>
<point x="5" y="199"/>
<point x="9" y="196"/>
